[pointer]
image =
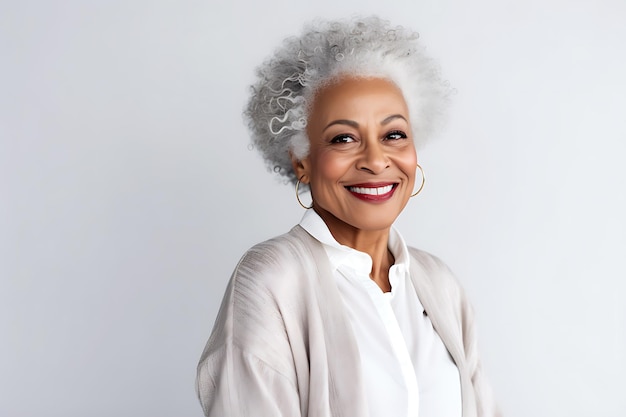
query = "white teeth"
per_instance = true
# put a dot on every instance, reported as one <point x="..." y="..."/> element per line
<point x="371" y="191"/>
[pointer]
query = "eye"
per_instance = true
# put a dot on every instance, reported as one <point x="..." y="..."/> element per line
<point x="343" y="138"/>
<point x="395" y="135"/>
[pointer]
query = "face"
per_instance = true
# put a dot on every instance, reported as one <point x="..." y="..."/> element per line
<point x="362" y="160"/>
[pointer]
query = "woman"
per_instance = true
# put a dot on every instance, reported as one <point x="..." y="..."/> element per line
<point x="338" y="317"/>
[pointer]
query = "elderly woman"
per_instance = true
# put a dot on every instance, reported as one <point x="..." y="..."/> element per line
<point x="339" y="317"/>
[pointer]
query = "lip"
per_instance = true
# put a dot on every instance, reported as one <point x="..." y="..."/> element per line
<point x="373" y="192"/>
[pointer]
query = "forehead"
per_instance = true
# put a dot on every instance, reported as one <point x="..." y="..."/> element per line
<point x="352" y="97"/>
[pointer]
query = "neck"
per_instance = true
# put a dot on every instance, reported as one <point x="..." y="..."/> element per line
<point x="373" y="242"/>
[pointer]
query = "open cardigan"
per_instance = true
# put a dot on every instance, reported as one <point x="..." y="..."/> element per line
<point x="282" y="344"/>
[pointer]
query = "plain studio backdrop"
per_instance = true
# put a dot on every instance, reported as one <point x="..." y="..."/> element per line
<point x="128" y="192"/>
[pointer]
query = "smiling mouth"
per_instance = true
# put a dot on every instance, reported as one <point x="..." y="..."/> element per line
<point x="372" y="190"/>
<point x="379" y="193"/>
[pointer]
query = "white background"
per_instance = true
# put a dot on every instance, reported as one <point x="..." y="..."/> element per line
<point x="127" y="192"/>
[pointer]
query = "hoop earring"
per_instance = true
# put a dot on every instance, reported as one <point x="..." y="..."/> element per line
<point x="423" y="181"/>
<point x="298" y="195"/>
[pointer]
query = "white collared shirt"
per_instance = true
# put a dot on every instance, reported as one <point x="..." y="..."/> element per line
<point x="407" y="370"/>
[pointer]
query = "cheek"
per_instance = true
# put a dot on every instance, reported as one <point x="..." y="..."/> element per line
<point x="329" y="168"/>
<point x="408" y="162"/>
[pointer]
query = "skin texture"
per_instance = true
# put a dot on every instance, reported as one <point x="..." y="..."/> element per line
<point x="360" y="135"/>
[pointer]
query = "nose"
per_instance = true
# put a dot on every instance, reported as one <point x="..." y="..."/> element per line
<point x="373" y="157"/>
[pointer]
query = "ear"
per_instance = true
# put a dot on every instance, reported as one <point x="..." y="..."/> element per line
<point x="301" y="168"/>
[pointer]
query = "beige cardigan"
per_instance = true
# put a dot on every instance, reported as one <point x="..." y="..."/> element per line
<point x="282" y="344"/>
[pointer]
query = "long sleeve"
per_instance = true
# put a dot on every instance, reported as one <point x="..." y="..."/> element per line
<point x="247" y="366"/>
<point x="234" y="383"/>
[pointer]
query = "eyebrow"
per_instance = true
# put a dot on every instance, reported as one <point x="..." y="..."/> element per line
<point x="389" y="119"/>
<point x="355" y="125"/>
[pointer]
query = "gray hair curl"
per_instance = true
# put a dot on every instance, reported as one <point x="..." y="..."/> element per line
<point x="286" y="84"/>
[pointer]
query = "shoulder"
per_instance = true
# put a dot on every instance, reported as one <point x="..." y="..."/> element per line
<point x="427" y="260"/>
<point x="432" y="268"/>
<point x="293" y="242"/>
<point x="285" y="255"/>
<point x="277" y="275"/>
<point x="268" y="281"/>
<point x="434" y="280"/>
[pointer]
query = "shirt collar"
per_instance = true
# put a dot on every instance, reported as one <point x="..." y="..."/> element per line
<point x="340" y="255"/>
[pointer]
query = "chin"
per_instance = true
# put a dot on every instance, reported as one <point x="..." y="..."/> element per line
<point x="374" y="221"/>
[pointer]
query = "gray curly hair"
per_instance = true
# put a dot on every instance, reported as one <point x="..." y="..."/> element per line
<point x="286" y="84"/>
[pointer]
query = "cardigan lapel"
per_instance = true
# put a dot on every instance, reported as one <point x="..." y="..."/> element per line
<point x="436" y="303"/>
<point x="347" y="395"/>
